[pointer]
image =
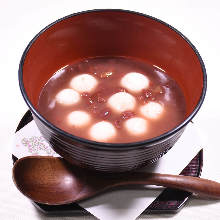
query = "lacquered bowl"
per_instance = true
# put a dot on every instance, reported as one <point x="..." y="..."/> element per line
<point x="111" y="33"/>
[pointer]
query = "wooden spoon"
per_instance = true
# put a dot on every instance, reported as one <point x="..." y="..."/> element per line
<point x="53" y="181"/>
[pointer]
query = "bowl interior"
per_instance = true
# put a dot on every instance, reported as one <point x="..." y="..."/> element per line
<point x="112" y="33"/>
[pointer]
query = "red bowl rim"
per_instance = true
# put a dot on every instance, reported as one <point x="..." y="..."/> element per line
<point x="103" y="145"/>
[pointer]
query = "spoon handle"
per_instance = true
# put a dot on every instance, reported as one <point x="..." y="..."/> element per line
<point x="203" y="187"/>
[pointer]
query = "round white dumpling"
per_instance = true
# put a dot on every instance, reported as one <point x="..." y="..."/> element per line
<point x="83" y="83"/>
<point x="152" y="110"/>
<point x="102" y="131"/>
<point x="67" y="97"/>
<point x="122" y="101"/>
<point x="136" y="126"/>
<point x="135" y="82"/>
<point x="78" y="118"/>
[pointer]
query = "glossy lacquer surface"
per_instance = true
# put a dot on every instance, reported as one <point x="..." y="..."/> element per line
<point x="53" y="181"/>
<point x="111" y="33"/>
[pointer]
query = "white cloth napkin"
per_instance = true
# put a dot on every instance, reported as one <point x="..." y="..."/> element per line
<point x="118" y="204"/>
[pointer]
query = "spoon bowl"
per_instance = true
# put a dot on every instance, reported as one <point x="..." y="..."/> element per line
<point x="53" y="181"/>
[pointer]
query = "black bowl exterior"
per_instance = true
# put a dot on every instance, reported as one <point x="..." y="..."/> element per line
<point x="110" y="159"/>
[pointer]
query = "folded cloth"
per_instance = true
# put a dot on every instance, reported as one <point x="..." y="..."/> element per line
<point x="120" y="204"/>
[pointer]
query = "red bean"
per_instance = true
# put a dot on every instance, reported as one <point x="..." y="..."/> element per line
<point x="104" y="113"/>
<point x="117" y="124"/>
<point x="127" y="115"/>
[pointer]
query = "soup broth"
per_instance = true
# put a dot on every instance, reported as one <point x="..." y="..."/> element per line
<point x="112" y="99"/>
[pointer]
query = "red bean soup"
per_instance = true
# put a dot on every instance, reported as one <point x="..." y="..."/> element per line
<point x="113" y="100"/>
